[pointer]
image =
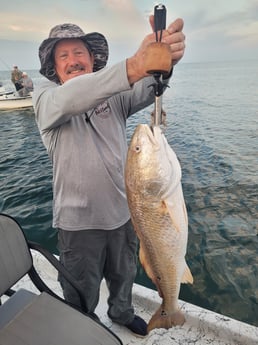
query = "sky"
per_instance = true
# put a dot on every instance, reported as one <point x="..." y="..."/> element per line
<point x="220" y="30"/>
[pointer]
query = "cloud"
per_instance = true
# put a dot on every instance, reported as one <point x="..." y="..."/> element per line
<point x="21" y="53"/>
<point x="228" y="26"/>
<point x="125" y="20"/>
<point x="227" y="34"/>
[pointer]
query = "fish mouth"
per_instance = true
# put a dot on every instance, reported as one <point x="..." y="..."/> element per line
<point x="154" y="134"/>
<point x="151" y="132"/>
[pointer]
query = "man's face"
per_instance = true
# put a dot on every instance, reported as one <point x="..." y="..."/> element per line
<point x="72" y="58"/>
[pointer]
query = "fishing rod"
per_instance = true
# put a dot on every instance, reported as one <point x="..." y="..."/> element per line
<point x="5" y="64"/>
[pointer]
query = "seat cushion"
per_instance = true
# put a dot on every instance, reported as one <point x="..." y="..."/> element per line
<point x="46" y="320"/>
<point x="15" y="257"/>
<point x="14" y="305"/>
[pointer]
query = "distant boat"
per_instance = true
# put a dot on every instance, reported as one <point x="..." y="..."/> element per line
<point x="10" y="100"/>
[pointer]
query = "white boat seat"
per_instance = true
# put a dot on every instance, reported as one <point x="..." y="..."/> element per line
<point x="27" y="318"/>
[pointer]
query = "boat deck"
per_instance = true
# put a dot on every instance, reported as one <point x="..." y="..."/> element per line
<point x="201" y="327"/>
<point x="11" y="100"/>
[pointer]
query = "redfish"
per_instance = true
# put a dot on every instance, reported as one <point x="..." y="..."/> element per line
<point x="158" y="212"/>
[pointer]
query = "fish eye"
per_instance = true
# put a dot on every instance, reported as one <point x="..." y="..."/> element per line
<point x="137" y="148"/>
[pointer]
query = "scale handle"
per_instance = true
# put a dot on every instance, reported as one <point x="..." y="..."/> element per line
<point x="160" y="13"/>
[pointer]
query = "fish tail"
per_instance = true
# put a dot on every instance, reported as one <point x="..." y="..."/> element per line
<point x="161" y="319"/>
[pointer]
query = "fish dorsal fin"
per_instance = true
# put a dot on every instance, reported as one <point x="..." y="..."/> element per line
<point x="187" y="276"/>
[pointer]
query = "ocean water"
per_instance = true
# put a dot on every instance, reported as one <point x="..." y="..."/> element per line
<point x="212" y="125"/>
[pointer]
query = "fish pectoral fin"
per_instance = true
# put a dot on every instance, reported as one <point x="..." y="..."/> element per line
<point x="187" y="276"/>
<point x="170" y="210"/>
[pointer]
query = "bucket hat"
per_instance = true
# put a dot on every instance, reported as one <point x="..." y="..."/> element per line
<point x="94" y="41"/>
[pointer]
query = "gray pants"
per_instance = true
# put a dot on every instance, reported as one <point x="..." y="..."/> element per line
<point x="91" y="255"/>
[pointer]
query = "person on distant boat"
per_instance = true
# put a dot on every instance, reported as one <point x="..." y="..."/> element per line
<point x="16" y="78"/>
<point x="27" y="85"/>
<point x="81" y="113"/>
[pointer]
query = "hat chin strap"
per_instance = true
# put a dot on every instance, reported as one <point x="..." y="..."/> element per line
<point x="60" y="80"/>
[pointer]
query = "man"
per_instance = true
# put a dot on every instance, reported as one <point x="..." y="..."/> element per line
<point x="27" y="85"/>
<point x="81" y="113"/>
<point x="16" y="78"/>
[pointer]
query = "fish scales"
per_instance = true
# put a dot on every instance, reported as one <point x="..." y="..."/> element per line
<point x="156" y="203"/>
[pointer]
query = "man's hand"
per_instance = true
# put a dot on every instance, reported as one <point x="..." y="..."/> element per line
<point x="173" y="36"/>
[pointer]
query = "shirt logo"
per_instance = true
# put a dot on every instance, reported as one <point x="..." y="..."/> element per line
<point x="103" y="110"/>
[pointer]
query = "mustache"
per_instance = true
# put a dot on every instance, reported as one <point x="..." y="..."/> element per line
<point x="77" y="67"/>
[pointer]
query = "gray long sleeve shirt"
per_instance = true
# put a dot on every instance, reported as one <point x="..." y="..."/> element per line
<point x="88" y="156"/>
